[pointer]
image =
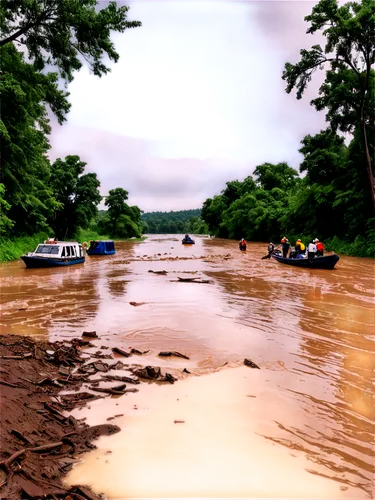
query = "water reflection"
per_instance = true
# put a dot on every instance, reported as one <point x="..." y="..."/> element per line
<point x="41" y="301"/>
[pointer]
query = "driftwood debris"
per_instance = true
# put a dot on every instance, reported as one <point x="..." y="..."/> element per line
<point x="92" y="335"/>
<point x="152" y="373"/>
<point x="190" y="280"/>
<point x="173" y="353"/>
<point x="120" y="378"/>
<point x="250" y="363"/>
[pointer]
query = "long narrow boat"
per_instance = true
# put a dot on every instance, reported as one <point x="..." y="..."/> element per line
<point x="55" y="254"/>
<point x="325" y="262"/>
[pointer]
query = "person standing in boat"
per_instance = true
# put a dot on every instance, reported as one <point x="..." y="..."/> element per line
<point x="285" y="247"/>
<point x="319" y="248"/>
<point x="242" y="245"/>
<point x="292" y="253"/>
<point x="300" y="247"/>
<point x="311" y="250"/>
<point x="271" y="248"/>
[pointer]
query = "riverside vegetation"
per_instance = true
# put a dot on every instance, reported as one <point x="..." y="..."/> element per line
<point x="36" y="197"/>
<point x="335" y="198"/>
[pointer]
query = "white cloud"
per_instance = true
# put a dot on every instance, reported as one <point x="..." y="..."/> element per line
<point x="197" y="95"/>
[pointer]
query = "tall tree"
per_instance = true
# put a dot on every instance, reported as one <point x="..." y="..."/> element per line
<point x="24" y="128"/>
<point x="77" y="193"/>
<point x="5" y="222"/>
<point x="63" y="33"/>
<point x="115" y="201"/>
<point x="347" y="93"/>
<point x="271" y="176"/>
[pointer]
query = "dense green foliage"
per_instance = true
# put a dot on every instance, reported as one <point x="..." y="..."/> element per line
<point x="334" y="198"/>
<point x="53" y="34"/>
<point x="91" y="234"/>
<point x="77" y="194"/>
<point x="64" y="33"/>
<point x="347" y="93"/>
<point x="178" y="222"/>
<point x="120" y="220"/>
<point x="12" y="249"/>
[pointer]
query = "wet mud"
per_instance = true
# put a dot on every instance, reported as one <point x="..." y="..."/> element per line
<point x="301" y="426"/>
<point x="40" y="384"/>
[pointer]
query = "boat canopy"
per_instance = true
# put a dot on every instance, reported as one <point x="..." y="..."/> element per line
<point x="102" y="246"/>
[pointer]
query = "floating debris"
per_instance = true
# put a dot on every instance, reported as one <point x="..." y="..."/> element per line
<point x="250" y="363"/>
<point x="152" y="373"/>
<point x="173" y="353"/>
<point x="92" y="335"/>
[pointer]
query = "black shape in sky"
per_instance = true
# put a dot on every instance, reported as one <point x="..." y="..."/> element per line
<point x="147" y="98"/>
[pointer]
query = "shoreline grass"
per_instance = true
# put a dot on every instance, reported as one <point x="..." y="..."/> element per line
<point x="88" y="234"/>
<point x="12" y="248"/>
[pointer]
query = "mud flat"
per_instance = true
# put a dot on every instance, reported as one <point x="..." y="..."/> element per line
<point x="40" y="383"/>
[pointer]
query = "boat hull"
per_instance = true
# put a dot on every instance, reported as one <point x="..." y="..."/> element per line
<point x="326" y="262"/>
<point x="34" y="262"/>
<point x="95" y="252"/>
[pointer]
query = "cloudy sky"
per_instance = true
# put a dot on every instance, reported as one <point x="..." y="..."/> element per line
<point x="195" y="100"/>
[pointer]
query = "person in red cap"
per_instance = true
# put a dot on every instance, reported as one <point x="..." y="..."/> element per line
<point x="319" y="248"/>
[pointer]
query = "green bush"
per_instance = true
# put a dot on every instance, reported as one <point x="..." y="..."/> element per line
<point x="12" y="249"/>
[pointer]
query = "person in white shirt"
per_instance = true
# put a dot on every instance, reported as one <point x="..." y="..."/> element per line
<point x="311" y="250"/>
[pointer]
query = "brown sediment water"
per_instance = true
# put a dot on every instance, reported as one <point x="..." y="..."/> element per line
<point x="300" y="427"/>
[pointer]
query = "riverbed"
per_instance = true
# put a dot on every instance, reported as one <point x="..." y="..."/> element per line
<point x="300" y="427"/>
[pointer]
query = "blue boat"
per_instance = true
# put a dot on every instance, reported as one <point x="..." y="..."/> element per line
<point x="101" y="247"/>
<point x="326" y="262"/>
<point x="53" y="253"/>
<point x="187" y="240"/>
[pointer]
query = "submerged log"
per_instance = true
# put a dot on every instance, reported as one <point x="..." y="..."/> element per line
<point x="173" y="353"/>
<point x="92" y="335"/>
<point x="250" y="363"/>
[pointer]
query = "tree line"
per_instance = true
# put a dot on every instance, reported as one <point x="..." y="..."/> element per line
<point x="333" y="194"/>
<point x="36" y="195"/>
<point x="178" y="222"/>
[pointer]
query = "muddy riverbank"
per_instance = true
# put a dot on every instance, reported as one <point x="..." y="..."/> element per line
<point x="39" y="441"/>
<point x="308" y="412"/>
<point x="40" y="384"/>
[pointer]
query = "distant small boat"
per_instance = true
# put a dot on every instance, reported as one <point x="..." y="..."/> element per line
<point x="188" y="242"/>
<point x="53" y="253"/>
<point x="325" y="262"/>
<point x="101" y="247"/>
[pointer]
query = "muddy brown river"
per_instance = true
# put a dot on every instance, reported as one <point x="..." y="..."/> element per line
<point x="300" y="427"/>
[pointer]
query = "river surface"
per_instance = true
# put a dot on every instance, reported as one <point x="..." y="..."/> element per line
<point x="300" y="427"/>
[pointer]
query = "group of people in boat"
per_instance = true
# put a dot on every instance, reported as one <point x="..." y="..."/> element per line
<point x="298" y="251"/>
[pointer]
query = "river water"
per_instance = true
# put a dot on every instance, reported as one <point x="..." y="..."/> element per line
<point x="300" y="427"/>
